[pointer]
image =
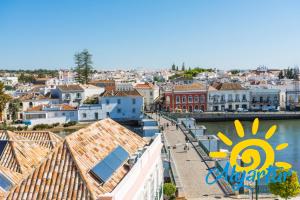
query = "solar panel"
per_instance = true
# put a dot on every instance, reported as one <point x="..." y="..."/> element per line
<point x="106" y="167"/>
<point x="2" y="146"/>
<point x="4" y="182"/>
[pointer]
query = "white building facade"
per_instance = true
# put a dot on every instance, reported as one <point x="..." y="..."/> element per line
<point x="150" y="93"/>
<point x="227" y="97"/>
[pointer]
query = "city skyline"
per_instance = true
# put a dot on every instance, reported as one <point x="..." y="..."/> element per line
<point x="139" y="35"/>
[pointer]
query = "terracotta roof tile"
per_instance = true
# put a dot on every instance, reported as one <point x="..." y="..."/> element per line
<point x="68" y="88"/>
<point x="64" y="173"/>
<point x="144" y="86"/>
<point x="193" y="86"/>
<point x="228" y="86"/>
<point x="112" y="93"/>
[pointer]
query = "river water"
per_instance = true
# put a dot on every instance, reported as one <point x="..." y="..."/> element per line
<point x="288" y="131"/>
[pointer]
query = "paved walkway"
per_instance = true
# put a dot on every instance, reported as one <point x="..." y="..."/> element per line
<point x="192" y="171"/>
<point x="190" y="168"/>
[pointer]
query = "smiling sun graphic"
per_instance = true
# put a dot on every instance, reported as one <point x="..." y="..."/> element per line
<point x="249" y="156"/>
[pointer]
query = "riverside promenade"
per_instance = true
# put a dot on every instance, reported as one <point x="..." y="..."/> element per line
<point x="191" y="170"/>
<point x="230" y="116"/>
<point x="189" y="166"/>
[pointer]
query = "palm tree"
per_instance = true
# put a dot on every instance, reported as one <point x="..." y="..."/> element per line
<point x="4" y="98"/>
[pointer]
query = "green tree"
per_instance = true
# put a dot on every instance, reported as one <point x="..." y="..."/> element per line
<point x="288" y="188"/>
<point x="83" y="68"/>
<point x="235" y="71"/>
<point x="87" y="65"/>
<point x="14" y="107"/>
<point x="78" y="68"/>
<point x="26" y="78"/>
<point x="183" y="67"/>
<point x="173" y="67"/>
<point x="280" y="75"/>
<point x="4" y="98"/>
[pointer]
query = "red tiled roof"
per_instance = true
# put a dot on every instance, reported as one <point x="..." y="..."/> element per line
<point x="69" y="88"/>
<point x="64" y="173"/>
<point x="144" y="86"/>
<point x="193" y="86"/>
<point x="112" y="93"/>
<point x="228" y="86"/>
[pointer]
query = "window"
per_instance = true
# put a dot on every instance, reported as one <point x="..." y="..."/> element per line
<point x="119" y="101"/>
<point x="222" y="97"/>
<point x="237" y="97"/>
<point x="261" y="99"/>
<point x="190" y="99"/>
<point x="63" y="114"/>
<point x="133" y="110"/>
<point x="230" y="97"/>
<point x="183" y="99"/>
<point x="119" y="110"/>
<point x="107" y="101"/>
<point x="151" y="93"/>
<point x="84" y="115"/>
<point x="133" y="101"/>
<point x="244" y="97"/>
<point x="196" y="99"/>
<point x="177" y="99"/>
<point x="202" y="99"/>
<point x="78" y="95"/>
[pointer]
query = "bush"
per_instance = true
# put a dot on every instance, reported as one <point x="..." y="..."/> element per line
<point x="13" y="128"/>
<point x="42" y="127"/>
<point x="55" y="124"/>
<point x="72" y="123"/>
<point x="169" y="189"/>
<point x="289" y="188"/>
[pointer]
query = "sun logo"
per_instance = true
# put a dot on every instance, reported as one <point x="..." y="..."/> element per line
<point x="251" y="157"/>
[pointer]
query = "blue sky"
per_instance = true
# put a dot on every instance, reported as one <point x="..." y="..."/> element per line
<point x="150" y="33"/>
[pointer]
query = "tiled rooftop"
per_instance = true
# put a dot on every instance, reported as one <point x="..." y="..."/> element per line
<point x="133" y="92"/>
<point x="228" y="86"/>
<point x="189" y="87"/>
<point x="70" y="88"/>
<point x="62" y="170"/>
<point x="144" y="86"/>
